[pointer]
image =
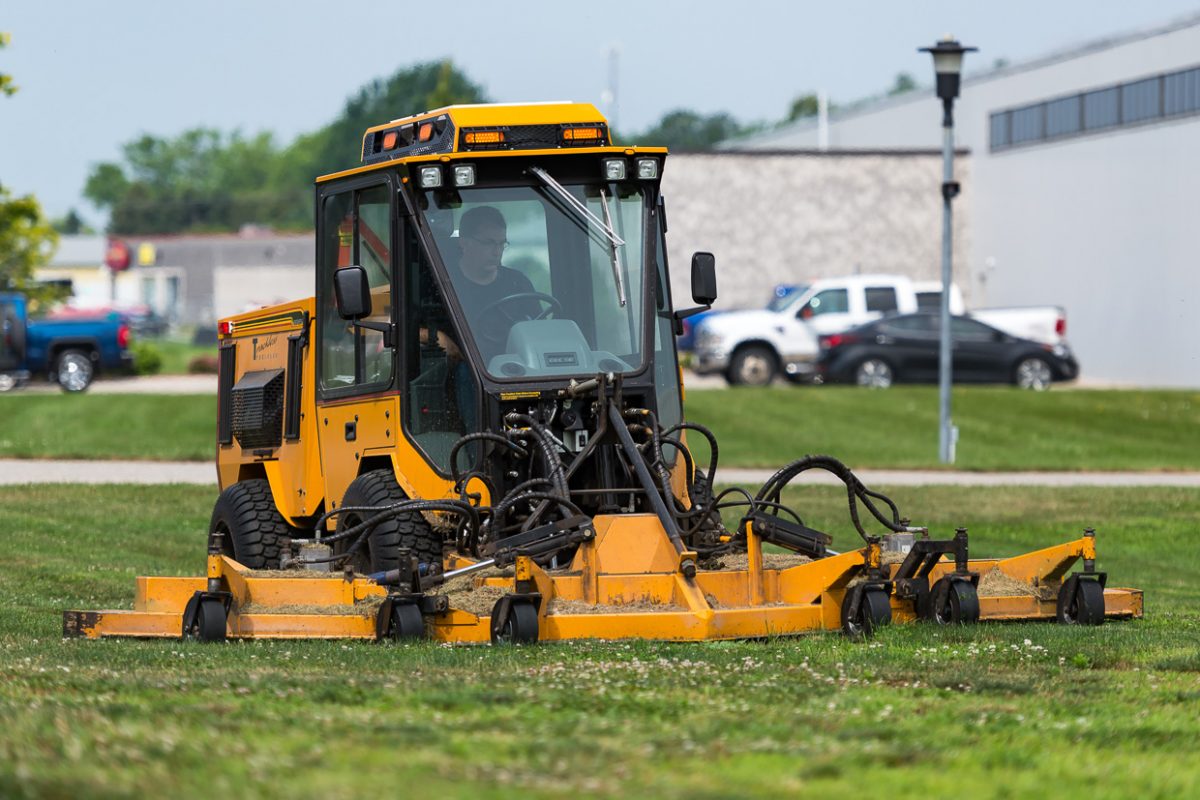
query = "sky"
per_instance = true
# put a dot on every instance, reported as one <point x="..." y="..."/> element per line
<point x="94" y="75"/>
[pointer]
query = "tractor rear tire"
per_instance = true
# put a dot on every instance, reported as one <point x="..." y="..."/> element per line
<point x="381" y="551"/>
<point x="254" y="532"/>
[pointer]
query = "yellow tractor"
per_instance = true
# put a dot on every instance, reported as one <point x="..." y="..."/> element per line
<point x="474" y="431"/>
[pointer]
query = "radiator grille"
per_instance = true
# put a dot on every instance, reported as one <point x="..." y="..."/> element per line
<point x="258" y="409"/>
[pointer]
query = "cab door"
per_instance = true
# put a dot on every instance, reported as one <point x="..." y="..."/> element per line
<point x="356" y="367"/>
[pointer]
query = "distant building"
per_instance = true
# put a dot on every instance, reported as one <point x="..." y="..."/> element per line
<point x="1083" y="176"/>
<point x="189" y="279"/>
<point x="774" y="217"/>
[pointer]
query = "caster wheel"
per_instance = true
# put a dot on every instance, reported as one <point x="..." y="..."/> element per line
<point x="874" y="611"/>
<point x="208" y="624"/>
<point x="1081" y="602"/>
<point x="953" y="602"/>
<point x="407" y="622"/>
<point x="519" y="627"/>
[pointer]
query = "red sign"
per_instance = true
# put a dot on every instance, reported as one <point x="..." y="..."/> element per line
<point x="117" y="257"/>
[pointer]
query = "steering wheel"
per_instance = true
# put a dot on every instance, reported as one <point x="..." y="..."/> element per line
<point x="499" y="309"/>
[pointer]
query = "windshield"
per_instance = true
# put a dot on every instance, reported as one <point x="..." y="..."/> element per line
<point x="549" y="284"/>
<point x="784" y="295"/>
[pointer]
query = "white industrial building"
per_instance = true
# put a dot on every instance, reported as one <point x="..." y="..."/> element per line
<point x="1084" y="168"/>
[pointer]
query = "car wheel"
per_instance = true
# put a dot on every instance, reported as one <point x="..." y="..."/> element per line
<point x="74" y="371"/>
<point x="1033" y="373"/>
<point x="753" y="365"/>
<point x="874" y="373"/>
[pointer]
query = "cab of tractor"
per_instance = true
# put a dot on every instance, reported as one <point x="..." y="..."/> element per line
<point x="535" y="297"/>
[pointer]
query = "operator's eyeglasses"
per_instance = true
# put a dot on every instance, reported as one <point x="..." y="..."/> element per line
<point x="493" y="244"/>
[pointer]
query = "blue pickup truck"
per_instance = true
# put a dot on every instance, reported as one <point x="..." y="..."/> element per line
<point x="69" y="350"/>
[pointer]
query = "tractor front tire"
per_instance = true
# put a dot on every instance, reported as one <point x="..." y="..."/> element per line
<point x="381" y="551"/>
<point x="252" y="530"/>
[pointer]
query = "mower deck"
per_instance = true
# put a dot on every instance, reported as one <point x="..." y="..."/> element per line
<point x="628" y="580"/>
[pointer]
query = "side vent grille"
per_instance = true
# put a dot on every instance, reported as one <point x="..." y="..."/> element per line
<point x="258" y="409"/>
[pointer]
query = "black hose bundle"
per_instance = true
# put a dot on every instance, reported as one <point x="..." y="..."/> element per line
<point x="362" y="530"/>
<point x="856" y="492"/>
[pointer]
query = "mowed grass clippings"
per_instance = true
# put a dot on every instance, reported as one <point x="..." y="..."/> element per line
<point x="992" y="711"/>
<point x="1001" y="428"/>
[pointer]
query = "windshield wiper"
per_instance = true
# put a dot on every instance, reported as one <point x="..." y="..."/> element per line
<point x="605" y="225"/>
<point x="612" y="251"/>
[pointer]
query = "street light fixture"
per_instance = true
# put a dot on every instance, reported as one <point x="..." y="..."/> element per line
<point x="947" y="63"/>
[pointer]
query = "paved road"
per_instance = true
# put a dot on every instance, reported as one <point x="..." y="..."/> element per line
<point x="147" y="384"/>
<point x="20" y="471"/>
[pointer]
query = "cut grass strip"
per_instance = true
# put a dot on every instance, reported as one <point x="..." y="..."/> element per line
<point x="988" y="711"/>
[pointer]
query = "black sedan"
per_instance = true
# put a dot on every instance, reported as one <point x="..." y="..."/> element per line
<point x="904" y="348"/>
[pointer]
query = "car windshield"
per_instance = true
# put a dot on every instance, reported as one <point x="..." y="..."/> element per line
<point x="550" y="278"/>
<point x="784" y="295"/>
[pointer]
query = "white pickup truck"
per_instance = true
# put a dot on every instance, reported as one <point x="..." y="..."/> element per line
<point x="754" y="346"/>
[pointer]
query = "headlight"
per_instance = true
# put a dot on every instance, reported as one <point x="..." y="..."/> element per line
<point x="707" y="338"/>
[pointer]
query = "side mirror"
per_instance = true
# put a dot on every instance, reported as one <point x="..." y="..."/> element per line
<point x="352" y="293"/>
<point x="704" y="278"/>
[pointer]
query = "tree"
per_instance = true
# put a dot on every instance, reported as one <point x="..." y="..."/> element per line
<point x="684" y="129"/>
<point x="806" y="105"/>
<point x="903" y="83"/>
<point x="204" y="180"/>
<point x="26" y="240"/>
<point x="71" y="224"/>
<point x="6" y="84"/>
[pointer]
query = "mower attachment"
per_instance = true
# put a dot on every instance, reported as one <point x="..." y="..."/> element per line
<point x="625" y="581"/>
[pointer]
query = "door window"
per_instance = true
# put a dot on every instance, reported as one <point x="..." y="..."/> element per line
<point x="881" y="298"/>
<point x="830" y="301"/>
<point x="968" y="330"/>
<point x="441" y="396"/>
<point x="356" y="230"/>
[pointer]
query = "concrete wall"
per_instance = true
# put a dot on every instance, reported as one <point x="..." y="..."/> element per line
<point x="238" y="289"/>
<point x="791" y="218"/>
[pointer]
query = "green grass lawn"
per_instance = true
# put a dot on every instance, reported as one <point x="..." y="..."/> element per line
<point x="1001" y="428"/>
<point x="159" y="427"/>
<point x="991" y="711"/>
<point x="177" y="354"/>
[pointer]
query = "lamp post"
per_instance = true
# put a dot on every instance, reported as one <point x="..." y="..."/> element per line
<point x="947" y="63"/>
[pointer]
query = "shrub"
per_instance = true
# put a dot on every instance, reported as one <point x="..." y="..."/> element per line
<point x="202" y="365"/>
<point x="147" y="359"/>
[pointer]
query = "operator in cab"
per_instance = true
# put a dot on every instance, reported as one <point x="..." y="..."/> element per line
<point x="482" y="281"/>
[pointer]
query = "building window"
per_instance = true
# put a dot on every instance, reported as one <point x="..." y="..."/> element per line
<point x="1027" y="124"/>
<point x="1181" y="92"/>
<point x="1063" y="117"/>
<point x="1140" y="101"/>
<point x="1137" y="102"/>
<point x="1101" y="109"/>
<point x="1000" y="137"/>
